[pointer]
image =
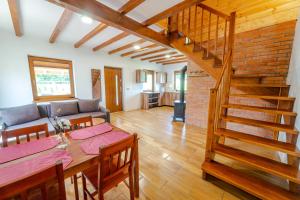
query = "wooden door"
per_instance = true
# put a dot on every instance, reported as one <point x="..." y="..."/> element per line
<point x="113" y="88"/>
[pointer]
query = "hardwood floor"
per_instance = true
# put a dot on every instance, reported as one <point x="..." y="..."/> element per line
<point x="171" y="155"/>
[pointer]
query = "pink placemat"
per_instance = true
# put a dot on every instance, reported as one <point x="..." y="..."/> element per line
<point x="91" y="146"/>
<point x="26" y="168"/>
<point x="92" y="131"/>
<point x="25" y="149"/>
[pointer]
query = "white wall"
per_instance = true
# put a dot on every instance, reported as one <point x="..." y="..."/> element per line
<point x="294" y="74"/>
<point x="170" y="70"/>
<point x="15" y="85"/>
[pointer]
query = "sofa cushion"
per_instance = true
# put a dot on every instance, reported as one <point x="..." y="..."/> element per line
<point x="44" y="109"/>
<point x="51" y="129"/>
<point x="20" y="114"/>
<point x="64" y="108"/>
<point x="88" y="105"/>
<point x="79" y="115"/>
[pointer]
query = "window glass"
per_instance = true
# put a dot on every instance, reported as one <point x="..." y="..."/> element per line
<point x="178" y="81"/>
<point x="148" y="86"/>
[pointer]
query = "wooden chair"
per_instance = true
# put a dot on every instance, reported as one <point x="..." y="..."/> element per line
<point x="77" y="123"/>
<point x="115" y="165"/>
<point x="27" y="131"/>
<point x="23" y="188"/>
<point x="81" y="122"/>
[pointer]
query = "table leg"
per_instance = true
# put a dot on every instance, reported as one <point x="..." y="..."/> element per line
<point x="136" y="171"/>
<point x="76" y="187"/>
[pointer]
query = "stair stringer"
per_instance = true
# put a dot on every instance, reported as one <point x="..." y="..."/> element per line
<point x="196" y="56"/>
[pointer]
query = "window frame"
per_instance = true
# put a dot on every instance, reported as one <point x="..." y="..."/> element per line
<point x="57" y="63"/>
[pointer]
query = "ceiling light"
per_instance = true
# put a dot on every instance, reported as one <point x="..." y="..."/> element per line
<point x="167" y="56"/>
<point x="86" y="19"/>
<point x="136" y="47"/>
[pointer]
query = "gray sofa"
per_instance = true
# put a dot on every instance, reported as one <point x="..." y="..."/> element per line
<point x="33" y="114"/>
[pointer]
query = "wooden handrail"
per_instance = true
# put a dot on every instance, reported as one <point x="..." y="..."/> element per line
<point x="214" y="11"/>
<point x="225" y="66"/>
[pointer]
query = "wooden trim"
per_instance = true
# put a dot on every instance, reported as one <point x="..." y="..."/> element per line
<point x="91" y="34"/>
<point x="172" y="58"/>
<point x="110" y="41"/>
<point x="139" y="50"/>
<point x="33" y="60"/>
<point x="107" y="15"/>
<point x="129" y="6"/>
<point x="170" y="11"/>
<point x="16" y="19"/>
<point x="61" y="24"/>
<point x="151" y="52"/>
<point x="132" y="44"/>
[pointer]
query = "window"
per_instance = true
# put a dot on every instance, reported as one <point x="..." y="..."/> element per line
<point x="177" y="81"/>
<point x="51" y="79"/>
<point x="149" y="84"/>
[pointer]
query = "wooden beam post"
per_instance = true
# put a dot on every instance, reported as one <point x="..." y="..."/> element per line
<point x="15" y="16"/>
<point x="61" y="24"/>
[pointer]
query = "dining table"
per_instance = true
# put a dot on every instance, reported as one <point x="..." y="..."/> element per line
<point x="81" y="160"/>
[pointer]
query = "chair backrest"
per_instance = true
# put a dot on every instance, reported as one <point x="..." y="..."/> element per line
<point x="81" y="122"/>
<point x="116" y="158"/>
<point x="27" y="131"/>
<point x="36" y="180"/>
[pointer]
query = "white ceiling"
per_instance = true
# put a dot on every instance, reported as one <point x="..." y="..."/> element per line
<point x="39" y="18"/>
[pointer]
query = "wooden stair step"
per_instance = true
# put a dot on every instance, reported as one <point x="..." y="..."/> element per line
<point x="257" y="187"/>
<point x="256" y="75"/>
<point x="261" y="109"/>
<point x="259" y="85"/>
<point x="265" y="164"/>
<point x="262" y="124"/>
<point x="276" y="145"/>
<point x="253" y="96"/>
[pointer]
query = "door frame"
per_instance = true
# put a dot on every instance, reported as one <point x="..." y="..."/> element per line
<point x="122" y="91"/>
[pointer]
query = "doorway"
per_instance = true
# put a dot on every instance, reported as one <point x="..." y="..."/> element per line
<point x="113" y="89"/>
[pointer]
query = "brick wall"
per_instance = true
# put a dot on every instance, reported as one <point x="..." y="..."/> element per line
<point x="261" y="51"/>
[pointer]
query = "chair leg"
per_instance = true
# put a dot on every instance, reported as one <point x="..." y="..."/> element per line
<point x="101" y="195"/>
<point x="76" y="187"/>
<point x="131" y="186"/>
<point x="84" y="187"/>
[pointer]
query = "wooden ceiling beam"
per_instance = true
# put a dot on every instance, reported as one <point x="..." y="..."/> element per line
<point x="170" y="11"/>
<point x="132" y="44"/>
<point x="102" y="13"/>
<point x="150" y="52"/>
<point x="91" y="34"/>
<point x="175" y="62"/>
<point x="140" y="50"/>
<point x="171" y="60"/>
<point x="64" y="19"/>
<point x="110" y="41"/>
<point x="129" y="6"/>
<point x="167" y="59"/>
<point x="160" y="55"/>
<point x="15" y="16"/>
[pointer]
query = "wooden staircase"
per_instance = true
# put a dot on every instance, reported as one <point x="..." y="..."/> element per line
<point x="206" y="37"/>
<point x="221" y="134"/>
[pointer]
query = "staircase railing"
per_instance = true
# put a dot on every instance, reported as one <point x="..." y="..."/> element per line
<point x="212" y="31"/>
<point x="206" y="27"/>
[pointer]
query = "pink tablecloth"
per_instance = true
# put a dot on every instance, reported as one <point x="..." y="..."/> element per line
<point x="26" y="168"/>
<point x="92" y="131"/>
<point x="91" y="146"/>
<point x="25" y="149"/>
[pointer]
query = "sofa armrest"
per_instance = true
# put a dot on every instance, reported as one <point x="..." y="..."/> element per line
<point x="106" y="111"/>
